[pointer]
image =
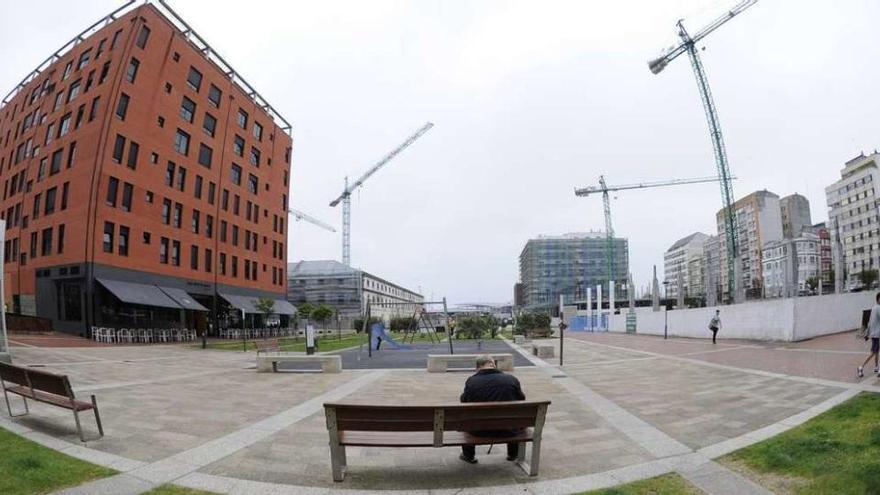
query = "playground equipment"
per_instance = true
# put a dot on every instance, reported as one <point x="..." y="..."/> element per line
<point x="377" y="330"/>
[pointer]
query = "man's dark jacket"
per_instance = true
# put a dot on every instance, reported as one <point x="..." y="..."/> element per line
<point x="491" y="385"/>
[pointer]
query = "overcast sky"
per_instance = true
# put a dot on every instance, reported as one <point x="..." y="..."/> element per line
<point x="529" y="99"/>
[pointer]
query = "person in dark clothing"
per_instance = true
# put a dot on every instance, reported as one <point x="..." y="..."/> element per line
<point x="491" y="385"/>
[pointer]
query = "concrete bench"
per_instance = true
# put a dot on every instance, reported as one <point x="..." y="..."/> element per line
<point x="267" y="362"/>
<point x="543" y="350"/>
<point x="437" y="363"/>
<point x="519" y="339"/>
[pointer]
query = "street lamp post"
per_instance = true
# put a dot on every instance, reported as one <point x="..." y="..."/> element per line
<point x="666" y="309"/>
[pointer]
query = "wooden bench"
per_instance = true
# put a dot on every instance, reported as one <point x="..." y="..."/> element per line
<point x="543" y="349"/>
<point x="268" y="345"/>
<point x="438" y="363"/>
<point x="267" y="362"/>
<point x="360" y="425"/>
<point x="45" y="387"/>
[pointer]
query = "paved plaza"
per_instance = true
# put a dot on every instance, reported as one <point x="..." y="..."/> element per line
<point x="624" y="407"/>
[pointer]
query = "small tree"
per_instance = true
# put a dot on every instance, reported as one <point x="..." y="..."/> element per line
<point x="474" y="326"/>
<point x="867" y="278"/>
<point x="265" y="305"/>
<point x="322" y="314"/>
<point x="812" y="283"/>
<point x="305" y="310"/>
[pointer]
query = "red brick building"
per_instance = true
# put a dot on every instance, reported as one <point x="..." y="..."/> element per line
<point x="144" y="182"/>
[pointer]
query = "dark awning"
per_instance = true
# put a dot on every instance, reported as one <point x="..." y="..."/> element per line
<point x="283" y="307"/>
<point x="182" y="298"/>
<point x="132" y="293"/>
<point x="243" y="303"/>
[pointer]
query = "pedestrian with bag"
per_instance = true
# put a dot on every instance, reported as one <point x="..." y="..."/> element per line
<point x="715" y="324"/>
<point x="873" y="333"/>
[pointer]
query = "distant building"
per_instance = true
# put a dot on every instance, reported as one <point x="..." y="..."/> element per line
<point x="570" y="264"/>
<point x="852" y="218"/>
<point x="348" y="290"/>
<point x="518" y="296"/>
<point x="684" y="256"/>
<point x="758" y="221"/>
<point x="783" y="258"/>
<point x="795" y="211"/>
<point x="711" y="269"/>
<point x="825" y="257"/>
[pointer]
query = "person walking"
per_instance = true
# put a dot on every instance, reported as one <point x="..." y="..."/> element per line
<point x="873" y="333"/>
<point x="489" y="384"/>
<point x="715" y="324"/>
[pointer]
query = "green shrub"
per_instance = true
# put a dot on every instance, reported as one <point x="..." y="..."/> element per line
<point x="533" y="324"/>
<point x="474" y="326"/>
<point x="402" y="323"/>
<point x="359" y="323"/>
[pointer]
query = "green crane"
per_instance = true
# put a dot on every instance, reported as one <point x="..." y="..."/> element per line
<point x="688" y="45"/>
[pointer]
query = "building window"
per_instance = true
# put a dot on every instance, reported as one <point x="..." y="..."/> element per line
<point x="71" y="154"/>
<point x="46" y="247"/>
<point x="235" y="174"/>
<point x="49" y="206"/>
<point x="197" y="188"/>
<point x="118" y="148"/>
<point x="73" y="92"/>
<point x="222" y="263"/>
<point x="209" y="226"/>
<point x="236" y="202"/>
<point x="161" y="121"/>
<point x="112" y="188"/>
<point x="238" y="145"/>
<point x="175" y="253"/>
<point x="163" y="250"/>
<point x="181" y="178"/>
<point x="181" y="142"/>
<point x="194" y="78"/>
<point x="224" y="200"/>
<point x="196" y="217"/>
<point x="212" y="188"/>
<point x="104" y="71"/>
<point x="178" y="213"/>
<point x="142" y="37"/>
<point x="255" y="157"/>
<point x="132" y="70"/>
<point x="133" y="149"/>
<point x="234" y="266"/>
<point x="166" y="211"/>
<point x="247" y="269"/>
<point x="148" y="196"/>
<point x="64" y="127"/>
<point x="258" y="131"/>
<point x="209" y="125"/>
<point x="122" y="106"/>
<point x="235" y="235"/>
<point x="93" y="111"/>
<point x="109" y="228"/>
<point x="84" y="59"/>
<point x="147" y="237"/>
<point x="187" y="109"/>
<point x="154" y="157"/>
<point x="253" y="185"/>
<point x="205" y="155"/>
<point x="223" y="225"/>
<point x="55" y="165"/>
<point x="67" y="69"/>
<point x="242" y="118"/>
<point x="123" y="240"/>
<point x="169" y="174"/>
<point x="194" y="257"/>
<point x="64" y="193"/>
<point x="50" y="132"/>
<point x="214" y="95"/>
<point x="127" y="191"/>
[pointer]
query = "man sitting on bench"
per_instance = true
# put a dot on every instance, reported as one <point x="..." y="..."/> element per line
<point x="491" y="385"/>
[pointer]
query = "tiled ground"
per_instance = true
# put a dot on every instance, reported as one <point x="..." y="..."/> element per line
<point x="158" y="401"/>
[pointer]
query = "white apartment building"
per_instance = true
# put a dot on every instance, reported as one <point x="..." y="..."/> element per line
<point x="684" y="257"/>
<point x="758" y="221"/>
<point x="783" y="258"/>
<point x="852" y="218"/>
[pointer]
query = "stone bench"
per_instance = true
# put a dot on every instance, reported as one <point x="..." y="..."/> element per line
<point x="519" y="339"/>
<point x="543" y="350"/>
<point x="437" y="363"/>
<point x="267" y="362"/>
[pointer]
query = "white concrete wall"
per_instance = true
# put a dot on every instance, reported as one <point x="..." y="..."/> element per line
<point x="776" y="319"/>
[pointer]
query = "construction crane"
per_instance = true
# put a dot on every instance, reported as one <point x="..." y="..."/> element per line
<point x="298" y="215"/>
<point x="345" y="197"/>
<point x="688" y="45"/>
<point x="605" y="189"/>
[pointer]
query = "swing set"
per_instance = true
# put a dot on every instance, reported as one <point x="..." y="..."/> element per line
<point x="421" y="322"/>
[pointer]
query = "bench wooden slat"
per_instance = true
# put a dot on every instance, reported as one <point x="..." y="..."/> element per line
<point x="48" y="398"/>
<point x="422" y="439"/>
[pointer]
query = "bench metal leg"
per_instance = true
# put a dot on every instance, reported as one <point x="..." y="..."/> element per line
<point x="337" y="461"/>
<point x="97" y="417"/>
<point x="9" y="407"/>
<point x="78" y="426"/>
<point x="535" y="462"/>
